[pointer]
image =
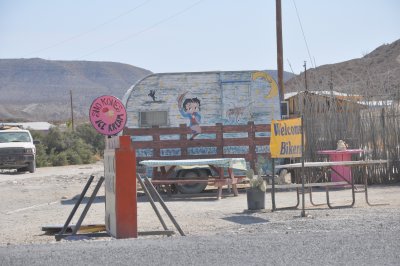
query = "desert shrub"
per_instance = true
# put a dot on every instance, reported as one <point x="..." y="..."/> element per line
<point x="83" y="150"/>
<point x="59" y="148"/>
<point x="73" y="157"/>
<point x="59" y="159"/>
<point x="55" y="140"/>
<point x="41" y="156"/>
<point x="90" y="136"/>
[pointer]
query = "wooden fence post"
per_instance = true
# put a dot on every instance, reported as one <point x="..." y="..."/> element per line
<point x="252" y="147"/>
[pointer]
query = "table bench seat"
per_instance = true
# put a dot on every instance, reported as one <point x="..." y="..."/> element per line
<point x="212" y="181"/>
<point x="325" y="184"/>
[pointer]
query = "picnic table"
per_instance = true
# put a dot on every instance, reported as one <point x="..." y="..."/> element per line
<point x="340" y="155"/>
<point x="327" y="166"/>
<point x="167" y="167"/>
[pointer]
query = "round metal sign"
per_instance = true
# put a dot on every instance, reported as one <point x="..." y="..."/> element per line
<point x="107" y="115"/>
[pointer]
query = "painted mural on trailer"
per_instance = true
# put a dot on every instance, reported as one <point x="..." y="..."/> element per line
<point x="190" y="109"/>
<point x="204" y="99"/>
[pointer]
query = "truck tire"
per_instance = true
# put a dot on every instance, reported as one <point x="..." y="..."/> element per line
<point x="23" y="169"/>
<point x="32" y="167"/>
<point x="192" y="188"/>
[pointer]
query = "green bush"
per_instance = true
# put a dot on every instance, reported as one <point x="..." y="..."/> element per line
<point x="59" y="148"/>
<point x="59" y="159"/>
<point x="41" y="156"/>
<point x="73" y="157"/>
<point x="90" y="136"/>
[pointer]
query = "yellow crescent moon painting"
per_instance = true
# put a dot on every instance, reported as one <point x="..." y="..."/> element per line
<point x="274" y="87"/>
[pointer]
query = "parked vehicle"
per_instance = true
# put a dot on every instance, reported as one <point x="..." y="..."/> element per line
<point x="17" y="149"/>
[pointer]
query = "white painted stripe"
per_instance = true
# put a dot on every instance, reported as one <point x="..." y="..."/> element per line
<point x="32" y="207"/>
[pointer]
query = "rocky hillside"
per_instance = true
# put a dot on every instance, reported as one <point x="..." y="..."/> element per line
<point x="376" y="74"/>
<point x="39" y="90"/>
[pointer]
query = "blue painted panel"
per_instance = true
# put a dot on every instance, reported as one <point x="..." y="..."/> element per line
<point x="142" y="138"/>
<point x="170" y="152"/>
<point x="262" y="149"/>
<point x="263" y="134"/>
<point x="144" y="153"/>
<point x="236" y="149"/>
<point x="202" y="150"/>
<point x="170" y="137"/>
<point x="240" y="135"/>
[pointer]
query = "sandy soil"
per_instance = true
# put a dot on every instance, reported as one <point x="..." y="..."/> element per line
<point x="30" y="201"/>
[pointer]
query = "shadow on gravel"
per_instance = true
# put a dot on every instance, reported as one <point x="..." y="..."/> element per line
<point x="245" y="219"/>
<point x="200" y="197"/>
<point x="98" y="199"/>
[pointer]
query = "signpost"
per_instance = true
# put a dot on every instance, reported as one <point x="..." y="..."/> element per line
<point x="107" y="115"/>
<point x="287" y="141"/>
<point x="286" y="138"/>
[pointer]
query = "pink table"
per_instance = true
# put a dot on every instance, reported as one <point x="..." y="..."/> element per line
<point x="340" y="172"/>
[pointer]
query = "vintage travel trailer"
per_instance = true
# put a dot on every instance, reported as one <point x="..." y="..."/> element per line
<point x="202" y="115"/>
<point x="230" y="98"/>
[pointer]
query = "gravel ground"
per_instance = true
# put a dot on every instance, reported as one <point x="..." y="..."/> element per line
<point x="30" y="201"/>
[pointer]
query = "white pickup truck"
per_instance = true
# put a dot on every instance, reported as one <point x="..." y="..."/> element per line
<point x="17" y="149"/>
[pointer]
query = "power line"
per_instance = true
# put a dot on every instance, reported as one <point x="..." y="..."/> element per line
<point x="304" y="36"/>
<point x="142" y="31"/>
<point x="88" y="31"/>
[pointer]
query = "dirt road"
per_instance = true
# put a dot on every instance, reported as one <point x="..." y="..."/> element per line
<point x="30" y="201"/>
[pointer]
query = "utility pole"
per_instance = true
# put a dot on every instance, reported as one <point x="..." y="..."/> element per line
<point x="72" y="111"/>
<point x="305" y="74"/>
<point x="279" y="49"/>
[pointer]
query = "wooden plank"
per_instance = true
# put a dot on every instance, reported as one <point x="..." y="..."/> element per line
<point x="219" y="142"/>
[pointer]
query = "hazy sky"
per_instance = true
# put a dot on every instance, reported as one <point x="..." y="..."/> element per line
<point x="193" y="35"/>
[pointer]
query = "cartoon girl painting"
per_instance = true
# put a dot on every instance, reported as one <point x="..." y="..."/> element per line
<point x="190" y="108"/>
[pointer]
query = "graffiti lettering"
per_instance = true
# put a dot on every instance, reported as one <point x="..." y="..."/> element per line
<point x="118" y="122"/>
<point x="111" y="102"/>
<point x="286" y="130"/>
<point x="100" y="124"/>
<point x="96" y="109"/>
<point x="287" y="148"/>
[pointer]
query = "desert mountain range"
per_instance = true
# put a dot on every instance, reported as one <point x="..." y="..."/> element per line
<point x="39" y="90"/>
<point x="376" y="75"/>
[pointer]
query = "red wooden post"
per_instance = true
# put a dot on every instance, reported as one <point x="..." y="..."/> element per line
<point x="120" y="185"/>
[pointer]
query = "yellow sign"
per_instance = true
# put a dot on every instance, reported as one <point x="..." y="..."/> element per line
<point x="286" y="138"/>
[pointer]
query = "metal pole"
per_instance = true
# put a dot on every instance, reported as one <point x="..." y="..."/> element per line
<point x="87" y="207"/>
<point x="85" y="189"/>
<point x="160" y="200"/>
<point x="303" y="212"/>
<point x="279" y="49"/>
<point x="305" y="74"/>
<point x="72" y="111"/>
<point x="273" y="185"/>
<point x="147" y="192"/>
